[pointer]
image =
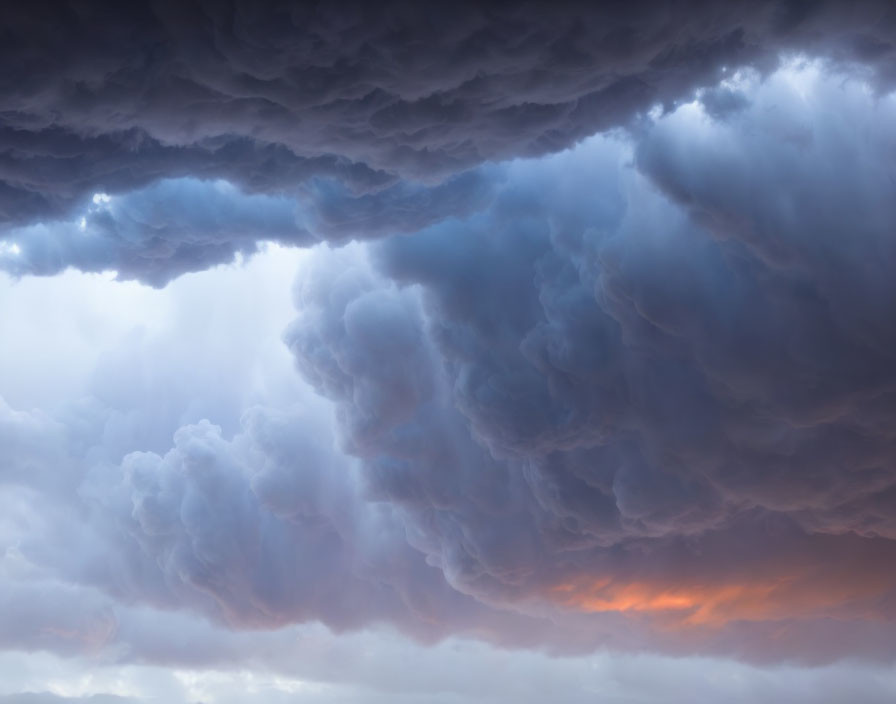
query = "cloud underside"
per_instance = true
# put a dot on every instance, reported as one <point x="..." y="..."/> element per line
<point x="276" y="101"/>
<point x="639" y="394"/>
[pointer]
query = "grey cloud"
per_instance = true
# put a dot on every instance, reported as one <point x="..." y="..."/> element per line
<point x="44" y="450"/>
<point x="640" y="392"/>
<point x="46" y="615"/>
<point x="113" y="99"/>
<point x="47" y="698"/>
<point x="253" y="548"/>
<point x="353" y="327"/>
<point x="334" y="214"/>
<point x="257" y="532"/>
<point x="492" y="678"/>
<point x="156" y="233"/>
<point x="619" y="406"/>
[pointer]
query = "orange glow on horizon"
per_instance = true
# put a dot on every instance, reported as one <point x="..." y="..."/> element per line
<point x="715" y="605"/>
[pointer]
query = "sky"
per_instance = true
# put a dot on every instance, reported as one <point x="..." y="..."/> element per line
<point x="447" y="354"/>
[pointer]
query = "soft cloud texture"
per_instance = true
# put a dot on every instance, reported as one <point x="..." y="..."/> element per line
<point x="636" y="396"/>
<point x="375" y="668"/>
<point x="172" y="227"/>
<point x="574" y="450"/>
<point x="632" y="407"/>
<point x="377" y="101"/>
<point x="156" y="233"/>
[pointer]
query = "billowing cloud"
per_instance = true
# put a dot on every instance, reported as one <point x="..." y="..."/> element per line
<point x="636" y="395"/>
<point x="89" y="521"/>
<point x="632" y="406"/>
<point x="599" y="410"/>
<point x="156" y="233"/>
<point x="113" y="100"/>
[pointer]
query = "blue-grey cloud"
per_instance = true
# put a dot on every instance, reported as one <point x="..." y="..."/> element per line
<point x="172" y="227"/>
<point x="640" y="397"/>
<point x="155" y="233"/>
<point x="114" y="99"/>
<point x="621" y="403"/>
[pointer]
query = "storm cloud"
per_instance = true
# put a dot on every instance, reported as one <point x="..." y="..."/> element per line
<point x="648" y="400"/>
<point x="591" y="350"/>
<point x="620" y="404"/>
<point x="118" y="98"/>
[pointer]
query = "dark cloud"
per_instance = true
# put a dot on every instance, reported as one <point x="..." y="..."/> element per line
<point x="113" y="98"/>
<point x="335" y="215"/>
<point x="635" y="395"/>
<point x="639" y="399"/>
<point x="681" y="411"/>
<point x="156" y="233"/>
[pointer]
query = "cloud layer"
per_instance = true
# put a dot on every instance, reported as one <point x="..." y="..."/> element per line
<point x="115" y="99"/>
<point x="676" y="413"/>
<point x="629" y="401"/>
<point x="537" y="390"/>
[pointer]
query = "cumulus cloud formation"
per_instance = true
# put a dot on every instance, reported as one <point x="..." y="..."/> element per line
<point x="172" y="227"/>
<point x="648" y="408"/>
<point x="538" y="388"/>
<point x="619" y="405"/>
<point x="155" y="233"/>
<point x="118" y="98"/>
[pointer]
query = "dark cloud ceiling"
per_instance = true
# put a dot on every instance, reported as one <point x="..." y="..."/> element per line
<point x="111" y="97"/>
<point x="638" y="394"/>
